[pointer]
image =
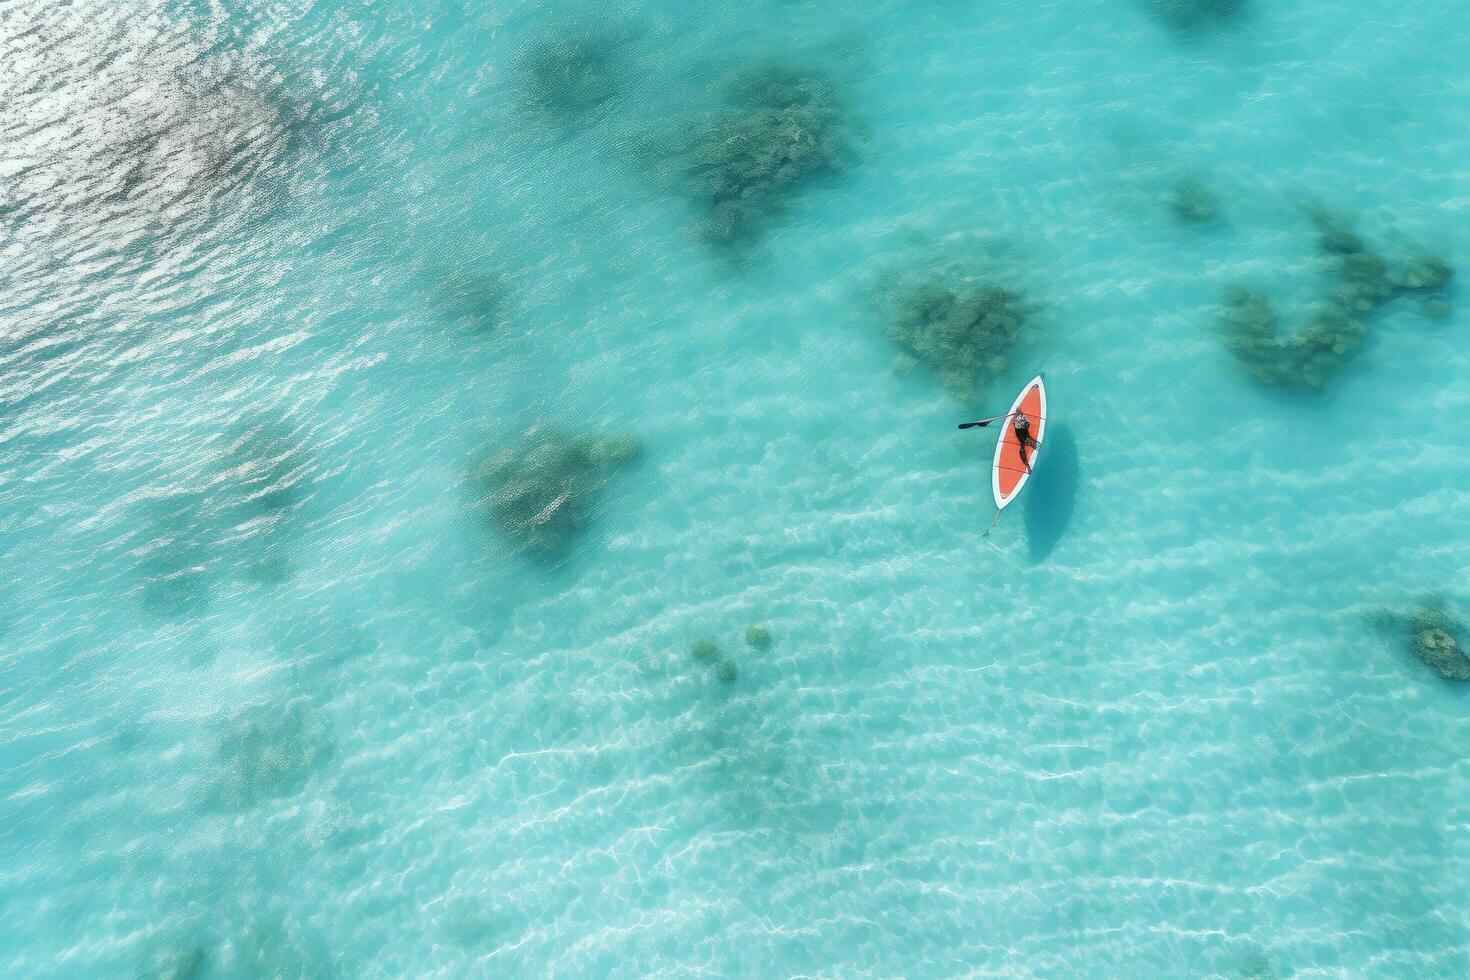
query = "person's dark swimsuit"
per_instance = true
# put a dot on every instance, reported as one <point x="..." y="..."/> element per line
<point x="1022" y="427"/>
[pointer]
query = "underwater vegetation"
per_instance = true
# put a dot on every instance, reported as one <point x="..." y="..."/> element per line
<point x="759" y="772"/>
<point x="1359" y="283"/>
<point x="235" y="519"/>
<point x="477" y="298"/>
<point x="275" y="946"/>
<point x="781" y="128"/>
<point x="1251" y="332"/>
<point x="1256" y="965"/>
<point x="1191" y="202"/>
<point x="959" y="322"/>
<point x="565" y="75"/>
<point x="263" y="949"/>
<point x="1051" y="493"/>
<point x="1431" y="634"/>
<point x="707" y="651"/>
<point x="471" y="921"/>
<point x="175" y="563"/>
<point x="541" y="493"/>
<point x="757" y="637"/>
<point x="267" y="753"/>
<point x="267" y="476"/>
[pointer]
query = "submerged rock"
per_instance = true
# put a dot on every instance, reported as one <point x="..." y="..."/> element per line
<point x="758" y="637"/>
<point x="1431" y="634"/>
<point x="783" y="126"/>
<point x="1432" y="637"/>
<point x="1439" y="650"/>
<point x="542" y="492"/>
<point x="704" y="649"/>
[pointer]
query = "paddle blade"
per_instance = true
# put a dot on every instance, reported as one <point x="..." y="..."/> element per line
<point x="976" y="425"/>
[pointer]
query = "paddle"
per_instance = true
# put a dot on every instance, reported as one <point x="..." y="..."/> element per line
<point x="982" y="423"/>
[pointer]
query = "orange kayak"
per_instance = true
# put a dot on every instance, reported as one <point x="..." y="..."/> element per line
<point x="1009" y="472"/>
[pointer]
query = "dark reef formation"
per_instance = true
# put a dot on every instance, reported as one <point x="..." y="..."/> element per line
<point x="477" y="298"/>
<point x="1431" y="634"/>
<point x="543" y="492"/>
<point x="958" y="319"/>
<point x="268" y="476"/>
<point x="175" y="564"/>
<point x="1360" y="282"/>
<point x="275" y="946"/>
<point x="1190" y="17"/>
<point x="1437" y="639"/>
<point x="1251" y="332"/>
<point x="238" y="521"/>
<point x="781" y="128"/>
<point x="567" y="75"/>
<point x="1256" y="965"/>
<point x="707" y="651"/>
<point x="1192" y="202"/>
<point x="758" y="637"/>
<point x="268" y="753"/>
<point x="175" y="963"/>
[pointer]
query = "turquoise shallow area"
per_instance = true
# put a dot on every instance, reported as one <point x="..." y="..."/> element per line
<point x="279" y="698"/>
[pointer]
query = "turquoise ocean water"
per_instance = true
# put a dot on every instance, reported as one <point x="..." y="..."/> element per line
<point x="287" y="288"/>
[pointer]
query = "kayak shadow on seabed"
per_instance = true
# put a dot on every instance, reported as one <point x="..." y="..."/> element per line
<point x="1051" y="493"/>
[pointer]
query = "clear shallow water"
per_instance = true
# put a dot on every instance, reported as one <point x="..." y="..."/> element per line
<point x="278" y="698"/>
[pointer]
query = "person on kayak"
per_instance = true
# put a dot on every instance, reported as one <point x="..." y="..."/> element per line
<point x="1022" y="426"/>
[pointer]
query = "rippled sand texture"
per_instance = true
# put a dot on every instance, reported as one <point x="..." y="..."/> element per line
<point x="481" y="493"/>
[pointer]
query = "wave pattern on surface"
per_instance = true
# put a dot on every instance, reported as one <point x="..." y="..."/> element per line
<point x="283" y="695"/>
